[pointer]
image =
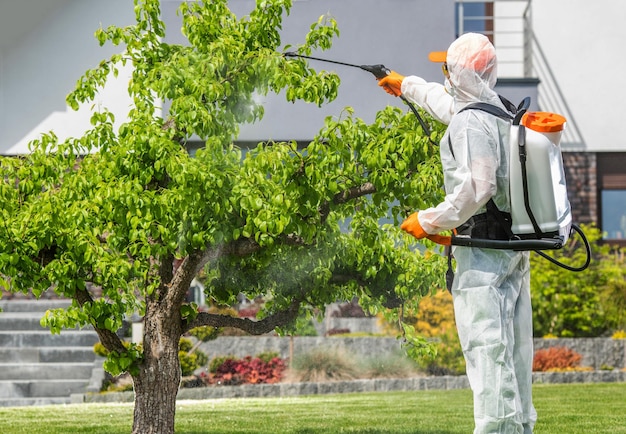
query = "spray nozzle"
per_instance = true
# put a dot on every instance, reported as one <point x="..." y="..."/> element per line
<point x="379" y="71"/>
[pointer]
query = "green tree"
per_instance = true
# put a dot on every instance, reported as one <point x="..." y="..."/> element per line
<point x="583" y="304"/>
<point x="121" y="220"/>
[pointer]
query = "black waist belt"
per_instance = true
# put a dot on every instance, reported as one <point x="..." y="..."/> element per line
<point x="487" y="226"/>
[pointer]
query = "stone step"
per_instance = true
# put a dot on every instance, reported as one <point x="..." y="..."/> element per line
<point x="47" y="355"/>
<point x="28" y="321"/>
<point x="41" y="388"/>
<point x="25" y="321"/>
<point x="32" y="305"/>
<point x="26" y="402"/>
<point x="46" y="371"/>
<point x="67" y="338"/>
<point x="41" y="368"/>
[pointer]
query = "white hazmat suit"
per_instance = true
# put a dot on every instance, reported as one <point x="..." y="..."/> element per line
<point x="491" y="288"/>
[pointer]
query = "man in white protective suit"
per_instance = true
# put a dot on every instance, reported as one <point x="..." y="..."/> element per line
<point x="491" y="288"/>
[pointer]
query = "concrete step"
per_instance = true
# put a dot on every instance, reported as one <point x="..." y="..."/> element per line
<point x="67" y="338"/>
<point x="25" y="321"/>
<point x="41" y="368"/>
<point x="27" y="402"/>
<point x="21" y="321"/>
<point x="46" y="371"/>
<point x="47" y="355"/>
<point x="32" y="305"/>
<point x="41" y="388"/>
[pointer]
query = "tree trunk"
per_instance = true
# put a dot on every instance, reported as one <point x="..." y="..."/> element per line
<point x="157" y="382"/>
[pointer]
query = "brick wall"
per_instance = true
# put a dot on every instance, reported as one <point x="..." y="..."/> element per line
<point x="580" y="175"/>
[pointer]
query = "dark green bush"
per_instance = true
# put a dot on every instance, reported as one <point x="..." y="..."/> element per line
<point x="190" y="358"/>
<point x="579" y="304"/>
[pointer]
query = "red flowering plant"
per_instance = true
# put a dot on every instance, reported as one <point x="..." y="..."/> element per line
<point x="249" y="370"/>
<point x="557" y="359"/>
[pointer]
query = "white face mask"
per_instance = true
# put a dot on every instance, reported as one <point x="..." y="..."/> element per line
<point x="449" y="87"/>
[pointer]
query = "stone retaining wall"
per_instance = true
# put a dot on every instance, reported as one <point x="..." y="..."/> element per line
<point x="598" y="353"/>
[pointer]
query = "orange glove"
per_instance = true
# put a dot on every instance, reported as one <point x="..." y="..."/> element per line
<point x="392" y="83"/>
<point x="412" y="226"/>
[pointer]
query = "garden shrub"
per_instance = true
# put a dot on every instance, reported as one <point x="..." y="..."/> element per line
<point x="448" y="359"/>
<point x="304" y="326"/>
<point x="216" y="362"/>
<point x="205" y="333"/>
<point x="395" y="365"/>
<point x="268" y="356"/>
<point x="99" y="349"/>
<point x="556" y="359"/>
<point x="586" y="304"/>
<point x="190" y="358"/>
<point x="435" y="320"/>
<point x="619" y="334"/>
<point x="336" y="365"/>
<point x="249" y="370"/>
<point x="323" y="365"/>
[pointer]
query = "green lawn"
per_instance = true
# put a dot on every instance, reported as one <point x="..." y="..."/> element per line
<point x="563" y="409"/>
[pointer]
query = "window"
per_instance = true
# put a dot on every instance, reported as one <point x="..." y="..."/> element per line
<point x="614" y="214"/>
<point x="474" y="16"/>
<point x="612" y="194"/>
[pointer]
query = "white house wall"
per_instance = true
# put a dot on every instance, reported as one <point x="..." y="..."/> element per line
<point x="583" y="42"/>
<point x="41" y="66"/>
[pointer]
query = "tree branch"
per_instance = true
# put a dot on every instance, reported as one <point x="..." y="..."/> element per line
<point x="259" y="327"/>
<point x="345" y="196"/>
<point x="247" y="246"/>
<point x="110" y="340"/>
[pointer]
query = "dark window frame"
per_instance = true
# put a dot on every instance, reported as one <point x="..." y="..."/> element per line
<point x="611" y="175"/>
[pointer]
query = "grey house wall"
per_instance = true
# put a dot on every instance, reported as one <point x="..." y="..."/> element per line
<point x="367" y="36"/>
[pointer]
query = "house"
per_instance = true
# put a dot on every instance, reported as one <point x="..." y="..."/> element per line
<point x="562" y="53"/>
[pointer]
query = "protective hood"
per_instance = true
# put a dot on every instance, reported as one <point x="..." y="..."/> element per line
<point x="472" y="65"/>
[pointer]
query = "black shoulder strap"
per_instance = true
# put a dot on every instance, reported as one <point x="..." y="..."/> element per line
<point x="509" y="115"/>
<point x="509" y="105"/>
<point x="491" y="109"/>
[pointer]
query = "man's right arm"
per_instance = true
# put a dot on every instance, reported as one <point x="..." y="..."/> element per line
<point x="432" y="97"/>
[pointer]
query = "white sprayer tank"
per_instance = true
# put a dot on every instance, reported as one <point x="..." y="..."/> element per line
<point x="545" y="176"/>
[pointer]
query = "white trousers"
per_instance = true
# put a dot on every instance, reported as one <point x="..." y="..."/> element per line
<point x="493" y="313"/>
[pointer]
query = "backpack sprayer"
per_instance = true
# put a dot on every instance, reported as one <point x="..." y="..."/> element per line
<point x="540" y="216"/>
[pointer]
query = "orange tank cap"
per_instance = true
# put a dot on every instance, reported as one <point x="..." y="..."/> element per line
<point x="543" y="122"/>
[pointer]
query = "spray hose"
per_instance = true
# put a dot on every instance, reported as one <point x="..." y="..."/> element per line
<point x="379" y="71"/>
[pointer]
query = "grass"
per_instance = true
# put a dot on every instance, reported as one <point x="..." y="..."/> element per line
<point x="563" y="408"/>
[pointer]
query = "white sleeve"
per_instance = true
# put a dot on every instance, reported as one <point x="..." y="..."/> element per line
<point x="432" y="97"/>
<point x="470" y="174"/>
